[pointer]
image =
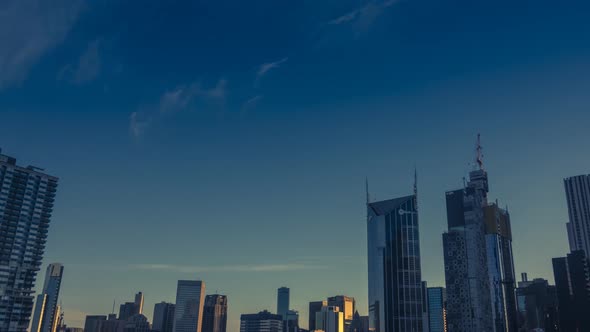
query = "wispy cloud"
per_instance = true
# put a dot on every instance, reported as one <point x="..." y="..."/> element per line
<point x="87" y="69"/>
<point x="266" y="67"/>
<point x="365" y="15"/>
<point x="176" y="100"/>
<point x="226" y="268"/>
<point x="251" y="103"/>
<point x="28" y="30"/>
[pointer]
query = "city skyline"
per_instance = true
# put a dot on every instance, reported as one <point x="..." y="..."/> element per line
<point x="224" y="141"/>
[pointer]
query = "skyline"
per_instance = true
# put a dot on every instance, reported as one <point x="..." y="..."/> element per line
<point x="178" y="128"/>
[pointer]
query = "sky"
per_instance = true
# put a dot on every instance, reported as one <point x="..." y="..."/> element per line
<point x="229" y="141"/>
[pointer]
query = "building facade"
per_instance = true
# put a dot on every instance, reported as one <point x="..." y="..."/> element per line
<point x="263" y="321"/>
<point x="27" y="196"/>
<point x="46" y="314"/>
<point x="537" y="306"/>
<point x="215" y="313"/>
<point x="163" y="319"/>
<point x="394" y="274"/>
<point x="314" y="307"/>
<point x="130" y="309"/>
<point x="577" y="192"/>
<point x="283" y="301"/>
<point x="437" y="298"/>
<point x="188" y="312"/>
<point x="330" y="319"/>
<point x="465" y="258"/>
<point x="346" y="304"/>
<point x="572" y="283"/>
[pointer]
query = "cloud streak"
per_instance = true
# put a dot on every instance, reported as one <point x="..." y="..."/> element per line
<point x="28" y="30"/>
<point x="226" y="268"/>
<point x="266" y="67"/>
<point x="365" y="15"/>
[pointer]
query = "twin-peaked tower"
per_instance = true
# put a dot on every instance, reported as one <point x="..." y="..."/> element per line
<point x="479" y="268"/>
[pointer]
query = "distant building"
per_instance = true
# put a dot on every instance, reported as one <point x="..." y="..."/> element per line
<point x="46" y="315"/>
<point x="573" y="294"/>
<point x="577" y="191"/>
<point x="188" y="313"/>
<point x="27" y="195"/>
<point x="263" y="321"/>
<point x="537" y="305"/>
<point x="346" y="304"/>
<point x="425" y="314"/>
<point x="137" y="323"/>
<point x="330" y="319"/>
<point x="130" y="309"/>
<point x="291" y="321"/>
<point x="395" y="290"/>
<point x="94" y="323"/>
<point x="163" y="319"/>
<point x="437" y="298"/>
<point x="314" y="307"/>
<point x="282" y="301"/>
<point x="360" y="323"/>
<point x="215" y="313"/>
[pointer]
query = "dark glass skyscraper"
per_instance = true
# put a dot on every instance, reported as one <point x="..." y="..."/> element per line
<point x="188" y="313"/>
<point x="577" y="191"/>
<point x="163" y="320"/>
<point x="314" y="307"/>
<point x="27" y="195"/>
<point x="573" y="292"/>
<point x="395" y="281"/>
<point x="46" y="310"/>
<point x="215" y="313"/>
<point x="282" y="301"/>
<point x="437" y="298"/>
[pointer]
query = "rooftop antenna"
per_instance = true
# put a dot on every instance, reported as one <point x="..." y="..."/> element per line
<point x="479" y="151"/>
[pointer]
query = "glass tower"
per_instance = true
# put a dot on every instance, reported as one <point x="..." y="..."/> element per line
<point x="26" y="203"/>
<point x="282" y="301"/>
<point x="395" y="281"/>
<point x="577" y="191"/>
<point x="188" y="313"/>
<point x="215" y="313"/>
<point x="437" y="298"/>
<point x="46" y="311"/>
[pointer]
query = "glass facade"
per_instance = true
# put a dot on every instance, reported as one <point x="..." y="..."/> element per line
<point x="46" y="310"/>
<point x="437" y="298"/>
<point x="395" y="281"/>
<point x="188" y="313"/>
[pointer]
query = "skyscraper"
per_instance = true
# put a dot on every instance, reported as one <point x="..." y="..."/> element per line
<point x="573" y="292"/>
<point x="215" y="313"/>
<point x="537" y="305"/>
<point x="46" y="311"/>
<point x="395" y="290"/>
<point x="282" y="301"/>
<point x="94" y="323"/>
<point x="263" y="321"/>
<point x="437" y="298"/>
<point x="188" y="313"/>
<point x="330" y="319"/>
<point x="314" y="307"/>
<point x="163" y="320"/>
<point x="27" y="195"/>
<point x="346" y="304"/>
<point x="130" y="309"/>
<point x="291" y="321"/>
<point x="577" y="191"/>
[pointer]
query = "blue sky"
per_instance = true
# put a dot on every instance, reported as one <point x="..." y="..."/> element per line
<point x="230" y="140"/>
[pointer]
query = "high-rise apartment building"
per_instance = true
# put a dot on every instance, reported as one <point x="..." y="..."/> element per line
<point x="577" y="192"/>
<point x="188" y="313"/>
<point x="314" y="307"/>
<point x="263" y="321"/>
<point x="46" y="314"/>
<point x="330" y="319"/>
<point x="215" y="313"/>
<point x="163" y="320"/>
<point x="395" y="280"/>
<point x="282" y="301"/>
<point x="437" y="298"/>
<point x="27" y="195"/>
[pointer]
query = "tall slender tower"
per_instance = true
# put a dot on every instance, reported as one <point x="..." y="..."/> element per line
<point x="577" y="192"/>
<point x="188" y="312"/>
<point x="215" y="313"/>
<point x="46" y="312"/>
<point x="395" y="280"/>
<point x="27" y="195"/>
<point x="282" y="301"/>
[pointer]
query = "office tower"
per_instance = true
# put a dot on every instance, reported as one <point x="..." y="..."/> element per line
<point x="425" y="314"/>
<point x="577" y="191"/>
<point x="46" y="313"/>
<point x="360" y="323"/>
<point x="136" y="323"/>
<point x="282" y="301"/>
<point x="573" y="293"/>
<point x="501" y="267"/>
<point x="314" y="307"/>
<point x="291" y="321"/>
<point x="215" y="313"/>
<point x="139" y="302"/>
<point x="330" y="319"/>
<point x="94" y="323"/>
<point x="188" y="313"/>
<point x="537" y="305"/>
<point x="130" y="309"/>
<point x="346" y="304"/>
<point x="437" y="298"/>
<point x="395" y="292"/>
<point x="163" y="319"/>
<point x="263" y="321"/>
<point x="26" y="203"/>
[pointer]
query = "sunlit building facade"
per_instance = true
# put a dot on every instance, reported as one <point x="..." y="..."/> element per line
<point x="46" y="313"/>
<point x="215" y="313"/>
<point x="188" y="312"/>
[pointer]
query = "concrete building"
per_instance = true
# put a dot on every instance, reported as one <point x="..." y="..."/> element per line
<point x="577" y="192"/>
<point x="190" y="299"/>
<point x="330" y="319"/>
<point x="46" y="315"/>
<point x="346" y="304"/>
<point x="27" y="195"/>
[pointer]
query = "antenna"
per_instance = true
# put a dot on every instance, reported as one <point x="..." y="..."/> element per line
<point x="479" y="152"/>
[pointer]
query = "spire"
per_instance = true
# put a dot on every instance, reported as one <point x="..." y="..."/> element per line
<point x="479" y="152"/>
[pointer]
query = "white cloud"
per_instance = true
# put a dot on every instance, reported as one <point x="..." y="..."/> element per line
<point x="266" y="67"/>
<point x="226" y="268"/>
<point x="137" y="124"/>
<point x="28" y="30"/>
<point x="88" y="67"/>
<point x="365" y="15"/>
